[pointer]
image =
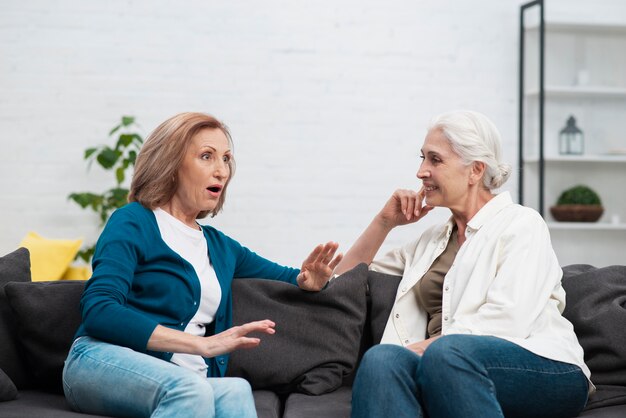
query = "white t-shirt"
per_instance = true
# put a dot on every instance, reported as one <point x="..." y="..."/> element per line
<point x="191" y="245"/>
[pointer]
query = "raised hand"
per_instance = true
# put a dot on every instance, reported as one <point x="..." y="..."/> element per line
<point x="318" y="267"/>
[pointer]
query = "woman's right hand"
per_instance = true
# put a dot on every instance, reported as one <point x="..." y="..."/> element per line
<point x="236" y="338"/>
<point x="175" y="341"/>
<point x="403" y="207"/>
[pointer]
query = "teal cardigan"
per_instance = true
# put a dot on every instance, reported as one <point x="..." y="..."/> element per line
<point x="138" y="282"/>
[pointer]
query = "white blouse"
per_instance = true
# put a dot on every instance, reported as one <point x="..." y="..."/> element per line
<point x="505" y="282"/>
<point x="191" y="245"/>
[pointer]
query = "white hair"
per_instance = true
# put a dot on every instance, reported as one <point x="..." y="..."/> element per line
<point x="475" y="138"/>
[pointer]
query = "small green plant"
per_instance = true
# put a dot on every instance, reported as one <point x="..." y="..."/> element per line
<point x="579" y="195"/>
<point x="118" y="159"/>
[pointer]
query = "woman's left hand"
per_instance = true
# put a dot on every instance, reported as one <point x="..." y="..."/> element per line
<point x="318" y="267"/>
<point x="419" y="347"/>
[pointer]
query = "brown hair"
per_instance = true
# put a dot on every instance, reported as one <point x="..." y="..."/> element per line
<point x="155" y="178"/>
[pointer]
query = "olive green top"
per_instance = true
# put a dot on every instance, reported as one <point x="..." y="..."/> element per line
<point x="429" y="290"/>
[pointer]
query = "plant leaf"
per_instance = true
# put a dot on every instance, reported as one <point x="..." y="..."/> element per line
<point x="108" y="157"/>
<point x="89" y="152"/>
<point x="86" y="253"/>
<point x="124" y="141"/>
<point x="138" y="139"/>
<point x="119" y="174"/>
<point x="132" y="157"/>
<point x="86" y="199"/>
<point x="117" y="128"/>
<point x="128" y="120"/>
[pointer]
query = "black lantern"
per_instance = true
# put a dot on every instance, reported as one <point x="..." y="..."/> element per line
<point x="571" y="138"/>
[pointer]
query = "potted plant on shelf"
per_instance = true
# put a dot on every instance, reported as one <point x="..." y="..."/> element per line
<point x="578" y="204"/>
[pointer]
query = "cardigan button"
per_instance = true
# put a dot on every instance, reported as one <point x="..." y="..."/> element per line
<point x="222" y="361"/>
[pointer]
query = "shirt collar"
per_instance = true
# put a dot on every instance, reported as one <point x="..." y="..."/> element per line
<point x="491" y="208"/>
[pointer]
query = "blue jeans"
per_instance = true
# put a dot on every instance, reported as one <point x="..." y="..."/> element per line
<point x="466" y="376"/>
<point x="107" y="379"/>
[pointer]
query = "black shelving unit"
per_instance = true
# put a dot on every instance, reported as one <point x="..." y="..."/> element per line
<point x="522" y="36"/>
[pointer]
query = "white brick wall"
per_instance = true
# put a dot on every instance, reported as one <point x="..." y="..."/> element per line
<point x="327" y="102"/>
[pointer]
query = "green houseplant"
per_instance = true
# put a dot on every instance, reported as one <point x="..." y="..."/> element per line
<point x="118" y="158"/>
<point x="578" y="204"/>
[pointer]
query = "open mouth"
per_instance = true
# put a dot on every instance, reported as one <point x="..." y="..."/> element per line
<point x="215" y="190"/>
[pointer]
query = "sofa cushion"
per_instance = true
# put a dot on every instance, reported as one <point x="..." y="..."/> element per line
<point x="382" y="293"/>
<point x="38" y="404"/>
<point x="48" y="316"/>
<point x="267" y="404"/>
<point x="317" y="333"/>
<point x="596" y="306"/>
<point x="8" y="391"/>
<point x="14" y="267"/>
<point x="337" y="404"/>
<point x="616" y="411"/>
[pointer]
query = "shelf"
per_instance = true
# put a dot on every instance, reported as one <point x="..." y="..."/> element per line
<point x="605" y="158"/>
<point x="580" y="92"/>
<point x="582" y="65"/>
<point x="594" y="226"/>
<point x="578" y="27"/>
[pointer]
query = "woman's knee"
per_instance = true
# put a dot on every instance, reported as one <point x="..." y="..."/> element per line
<point x="450" y="353"/>
<point x="233" y="397"/>
<point x="381" y="356"/>
<point x="235" y="386"/>
<point x="185" y="389"/>
<point x="387" y="360"/>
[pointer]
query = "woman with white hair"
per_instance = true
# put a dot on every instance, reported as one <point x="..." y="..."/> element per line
<point x="476" y="328"/>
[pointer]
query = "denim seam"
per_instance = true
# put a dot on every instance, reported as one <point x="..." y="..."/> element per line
<point x="531" y="370"/>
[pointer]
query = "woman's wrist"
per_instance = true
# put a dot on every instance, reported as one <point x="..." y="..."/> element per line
<point x="382" y="224"/>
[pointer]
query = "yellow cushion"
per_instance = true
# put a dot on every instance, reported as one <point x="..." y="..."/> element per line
<point x="77" y="273"/>
<point x="49" y="258"/>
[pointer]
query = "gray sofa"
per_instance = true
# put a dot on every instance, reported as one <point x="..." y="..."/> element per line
<point x="306" y="369"/>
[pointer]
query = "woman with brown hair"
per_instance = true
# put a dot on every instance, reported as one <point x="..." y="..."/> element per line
<point x="157" y="313"/>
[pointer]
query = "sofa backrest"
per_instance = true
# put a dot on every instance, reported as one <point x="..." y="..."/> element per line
<point x="596" y="306"/>
<point x="47" y="316"/>
<point x="40" y="319"/>
<point x="14" y="267"/>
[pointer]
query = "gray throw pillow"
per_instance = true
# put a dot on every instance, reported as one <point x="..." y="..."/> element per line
<point x="14" y="267"/>
<point x="596" y="306"/>
<point x="8" y="391"/>
<point x="48" y="315"/>
<point x="317" y="333"/>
